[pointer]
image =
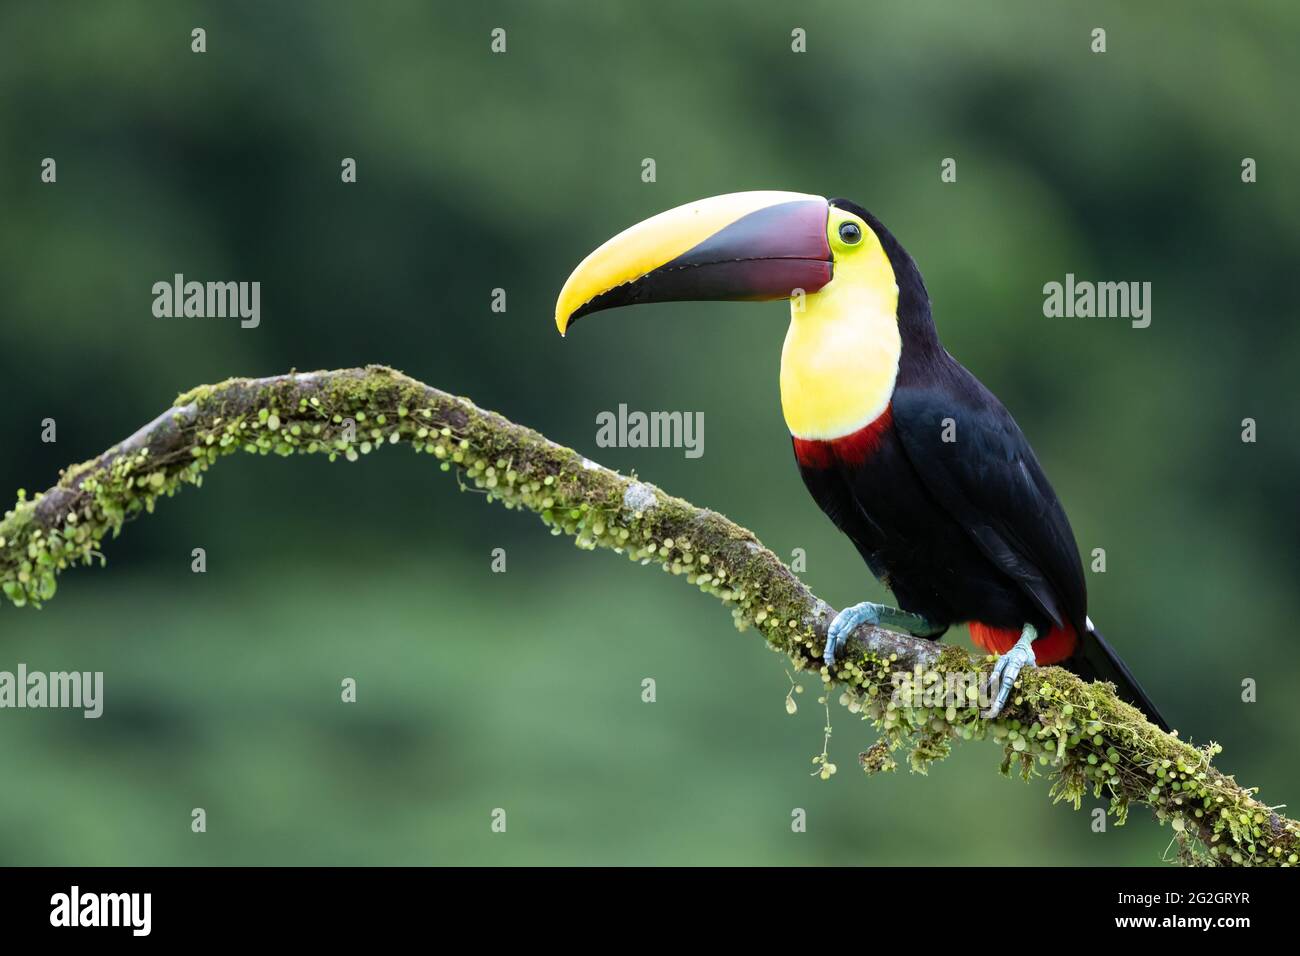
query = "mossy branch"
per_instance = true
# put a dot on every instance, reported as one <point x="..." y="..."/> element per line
<point x="1079" y="735"/>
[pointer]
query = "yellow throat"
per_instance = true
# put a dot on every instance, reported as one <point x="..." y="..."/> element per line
<point x="841" y="352"/>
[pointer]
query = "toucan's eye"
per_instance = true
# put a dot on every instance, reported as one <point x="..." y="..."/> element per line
<point x="850" y="232"/>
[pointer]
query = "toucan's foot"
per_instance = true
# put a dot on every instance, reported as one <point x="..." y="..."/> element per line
<point x="845" y="623"/>
<point x="869" y="612"/>
<point x="1008" y="668"/>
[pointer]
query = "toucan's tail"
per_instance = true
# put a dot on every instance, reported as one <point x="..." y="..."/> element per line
<point x="1095" y="659"/>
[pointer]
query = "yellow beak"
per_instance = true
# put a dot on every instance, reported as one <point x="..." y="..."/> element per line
<point x="751" y="245"/>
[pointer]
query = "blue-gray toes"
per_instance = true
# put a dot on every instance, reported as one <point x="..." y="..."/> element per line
<point x="845" y="623"/>
<point x="1008" y="668"/>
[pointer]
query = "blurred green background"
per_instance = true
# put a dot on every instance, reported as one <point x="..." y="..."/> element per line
<point x="522" y="690"/>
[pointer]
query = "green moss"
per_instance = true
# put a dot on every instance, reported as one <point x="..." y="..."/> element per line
<point x="1077" y="734"/>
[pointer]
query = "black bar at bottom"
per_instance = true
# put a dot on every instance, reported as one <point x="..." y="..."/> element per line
<point x="237" y="904"/>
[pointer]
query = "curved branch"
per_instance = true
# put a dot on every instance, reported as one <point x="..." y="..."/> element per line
<point x="919" y="694"/>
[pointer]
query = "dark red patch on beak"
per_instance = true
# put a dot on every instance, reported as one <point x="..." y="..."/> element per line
<point x="768" y="254"/>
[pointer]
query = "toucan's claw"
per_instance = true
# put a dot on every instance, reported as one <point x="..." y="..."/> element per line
<point x="1008" y="668"/>
<point x="845" y="623"/>
<point x="868" y="612"/>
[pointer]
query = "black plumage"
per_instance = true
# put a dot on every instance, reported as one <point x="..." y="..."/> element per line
<point x="966" y="529"/>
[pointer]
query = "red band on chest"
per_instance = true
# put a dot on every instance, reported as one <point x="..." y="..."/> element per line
<point x="851" y="450"/>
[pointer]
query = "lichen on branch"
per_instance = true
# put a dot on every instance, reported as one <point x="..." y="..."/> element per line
<point x="1079" y="735"/>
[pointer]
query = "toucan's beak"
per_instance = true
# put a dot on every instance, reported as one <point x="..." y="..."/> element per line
<point x="755" y="245"/>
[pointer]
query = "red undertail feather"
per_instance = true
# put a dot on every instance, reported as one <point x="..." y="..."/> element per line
<point x="1052" y="648"/>
<point x="851" y="449"/>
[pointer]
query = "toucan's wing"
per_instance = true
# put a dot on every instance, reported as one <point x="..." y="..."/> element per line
<point x="973" y="459"/>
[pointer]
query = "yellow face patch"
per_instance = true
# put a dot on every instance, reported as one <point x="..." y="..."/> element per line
<point x="841" y="352"/>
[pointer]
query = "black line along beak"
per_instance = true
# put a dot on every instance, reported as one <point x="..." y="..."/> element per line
<point x="740" y="246"/>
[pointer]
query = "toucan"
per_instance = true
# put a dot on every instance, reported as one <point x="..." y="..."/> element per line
<point x="904" y="449"/>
